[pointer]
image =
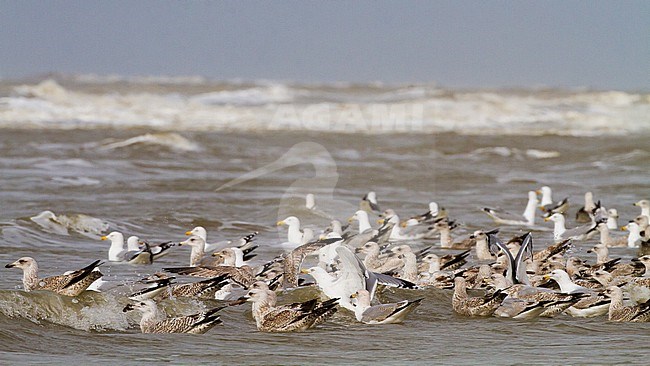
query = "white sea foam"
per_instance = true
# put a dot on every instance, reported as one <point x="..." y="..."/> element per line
<point x="266" y="106"/>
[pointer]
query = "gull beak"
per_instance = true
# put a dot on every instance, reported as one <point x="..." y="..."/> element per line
<point x="538" y="191"/>
<point x="547" y="218"/>
<point x="546" y="277"/>
<point x="403" y="224"/>
<point x="624" y="228"/>
<point x="350" y="220"/>
<point x="354" y="295"/>
<point x="128" y="307"/>
<point x="280" y="223"/>
<point x="104" y="237"/>
<point x="304" y="271"/>
<point x="241" y="300"/>
<point x="381" y="221"/>
<point x="188" y="233"/>
<point x="11" y="265"/>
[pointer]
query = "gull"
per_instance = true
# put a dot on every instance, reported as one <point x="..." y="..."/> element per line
<point x="449" y="262"/>
<point x="117" y="252"/>
<point x="560" y="231"/>
<point x="292" y="261"/>
<point x="547" y="205"/>
<point x="613" y="266"/>
<point x="369" y="203"/>
<point x="482" y="249"/>
<point x="525" y="310"/>
<point x="446" y="242"/>
<point x="197" y="245"/>
<point x="506" y="218"/>
<point x="643" y="222"/>
<point x="160" y="285"/>
<point x="515" y="272"/>
<point x="645" y="207"/>
<point x="364" y="222"/>
<point x="438" y="271"/>
<point x="607" y="239"/>
<point x="70" y="284"/>
<point x="556" y="302"/>
<point x="287" y="318"/>
<point x="590" y="306"/>
<point x="194" y="324"/>
<point x="295" y="237"/>
<point x="410" y="267"/>
<point x="371" y="260"/>
<point x="645" y="260"/>
<point x="208" y="247"/>
<point x="366" y="232"/>
<point x="310" y="205"/>
<point x="204" y="289"/>
<point x="634" y="237"/>
<point x="621" y="313"/>
<point x="242" y="276"/>
<point x="612" y="219"/>
<point x="383" y="313"/>
<point x="434" y="213"/>
<point x="351" y="277"/>
<point x="397" y="233"/>
<point x="157" y="250"/>
<point x="585" y="213"/>
<point x="474" y="306"/>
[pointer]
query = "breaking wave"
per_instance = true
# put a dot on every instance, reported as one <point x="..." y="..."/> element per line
<point x="203" y="105"/>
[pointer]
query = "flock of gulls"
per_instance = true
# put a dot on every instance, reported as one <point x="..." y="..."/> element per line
<point x="351" y="262"/>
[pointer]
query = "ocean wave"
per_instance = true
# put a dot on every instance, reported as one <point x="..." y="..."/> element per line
<point x="199" y="105"/>
<point x="90" y="312"/>
<point x="172" y="141"/>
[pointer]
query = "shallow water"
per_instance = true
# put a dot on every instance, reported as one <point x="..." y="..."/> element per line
<point x="158" y="186"/>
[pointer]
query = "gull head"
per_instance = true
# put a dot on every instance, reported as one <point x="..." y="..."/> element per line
<point x="193" y="241"/>
<point x="24" y="262"/>
<point x="289" y="221"/>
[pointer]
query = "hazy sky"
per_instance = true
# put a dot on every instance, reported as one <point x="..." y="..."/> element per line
<point x="601" y="44"/>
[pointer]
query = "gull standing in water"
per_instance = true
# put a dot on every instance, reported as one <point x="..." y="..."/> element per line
<point x="194" y="324"/>
<point x="117" y="252"/>
<point x="645" y="207"/>
<point x="382" y="313"/>
<point x="351" y="277"/>
<point x="547" y="205"/>
<point x="506" y="218"/>
<point x="474" y="306"/>
<point x="71" y="284"/>
<point x="634" y="238"/>
<point x="295" y="236"/>
<point x="586" y="212"/>
<point x="621" y="313"/>
<point x="397" y="233"/>
<point x="287" y="318"/>
<point x="590" y="306"/>
<point x="209" y="247"/>
<point x="560" y="231"/>
<point x="369" y="203"/>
